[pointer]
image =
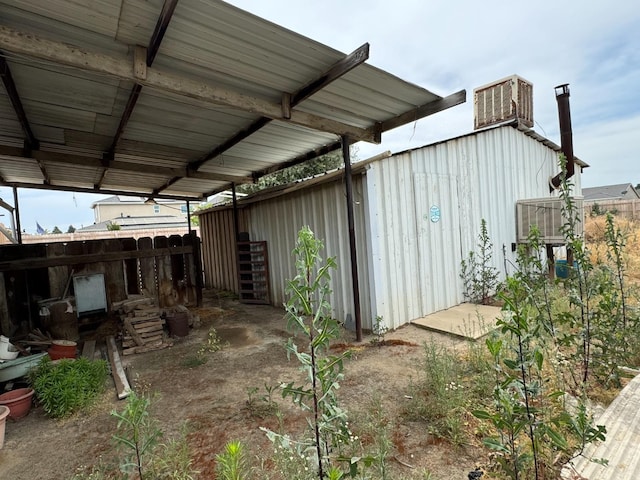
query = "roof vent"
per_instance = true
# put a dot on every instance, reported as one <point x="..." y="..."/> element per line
<point x="508" y="99"/>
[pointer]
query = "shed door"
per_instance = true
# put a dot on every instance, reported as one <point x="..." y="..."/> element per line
<point x="439" y="245"/>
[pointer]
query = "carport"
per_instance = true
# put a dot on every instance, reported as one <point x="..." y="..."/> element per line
<point x="181" y="99"/>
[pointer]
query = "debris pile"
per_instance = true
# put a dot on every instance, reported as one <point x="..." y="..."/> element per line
<point x="143" y="325"/>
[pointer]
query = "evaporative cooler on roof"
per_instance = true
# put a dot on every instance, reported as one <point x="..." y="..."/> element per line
<point x="507" y="99"/>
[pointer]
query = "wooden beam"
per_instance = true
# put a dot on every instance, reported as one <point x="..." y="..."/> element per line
<point x="423" y="111"/>
<point x="123" y="389"/>
<point x="72" y="159"/>
<point x="45" y="262"/>
<point x="14" y="98"/>
<point x="68" y="188"/>
<point x="121" y="67"/>
<point x="140" y="62"/>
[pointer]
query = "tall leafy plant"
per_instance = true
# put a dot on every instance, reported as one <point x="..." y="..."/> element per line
<point x="309" y="316"/>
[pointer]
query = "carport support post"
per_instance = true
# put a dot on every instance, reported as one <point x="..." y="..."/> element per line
<point x="189" y="217"/>
<point x="346" y="155"/>
<point x="17" y="215"/>
<point x="236" y="227"/>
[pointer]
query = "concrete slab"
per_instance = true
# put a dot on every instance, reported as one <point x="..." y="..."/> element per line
<point x="466" y="320"/>
<point x="620" y="449"/>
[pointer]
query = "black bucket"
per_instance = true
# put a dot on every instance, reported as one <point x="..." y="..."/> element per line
<point x="178" y="324"/>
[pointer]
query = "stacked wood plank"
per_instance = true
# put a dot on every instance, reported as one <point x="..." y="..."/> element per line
<point x="142" y="326"/>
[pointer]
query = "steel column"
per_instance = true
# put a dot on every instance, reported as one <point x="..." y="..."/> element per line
<point x="346" y="155"/>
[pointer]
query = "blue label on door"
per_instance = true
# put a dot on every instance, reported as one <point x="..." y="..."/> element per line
<point x="434" y="213"/>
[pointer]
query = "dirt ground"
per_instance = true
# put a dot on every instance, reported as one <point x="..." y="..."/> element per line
<point x="212" y="399"/>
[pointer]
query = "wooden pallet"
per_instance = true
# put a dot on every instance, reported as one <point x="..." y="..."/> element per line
<point x="143" y="330"/>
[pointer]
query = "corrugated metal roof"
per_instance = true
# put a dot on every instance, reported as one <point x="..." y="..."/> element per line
<point x="75" y="109"/>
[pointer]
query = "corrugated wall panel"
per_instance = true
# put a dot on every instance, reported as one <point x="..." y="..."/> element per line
<point x="219" y="248"/>
<point x="408" y="254"/>
<point x="323" y="208"/>
<point x="416" y="262"/>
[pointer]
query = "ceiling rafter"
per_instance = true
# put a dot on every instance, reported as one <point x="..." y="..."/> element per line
<point x="337" y="70"/>
<point x="46" y="156"/>
<point x="69" y="188"/>
<point x="122" y="67"/>
<point x="31" y="142"/>
<point x="162" y="24"/>
<point x="411" y="116"/>
<point x="14" y="98"/>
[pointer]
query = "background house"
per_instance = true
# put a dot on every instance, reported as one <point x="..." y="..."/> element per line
<point x="606" y="193"/>
<point x="116" y="206"/>
<point x="622" y="200"/>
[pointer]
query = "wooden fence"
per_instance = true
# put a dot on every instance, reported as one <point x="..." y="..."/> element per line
<point x="629" y="209"/>
<point x="166" y="268"/>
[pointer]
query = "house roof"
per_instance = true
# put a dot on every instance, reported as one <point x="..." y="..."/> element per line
<point x="137" y="223"/>
<point x="179" y="100"/>
<point x="117" y="200"/>
<point x="621" y="191"/>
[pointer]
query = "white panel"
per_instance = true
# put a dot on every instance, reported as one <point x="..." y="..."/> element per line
<point x="323" y="209"/>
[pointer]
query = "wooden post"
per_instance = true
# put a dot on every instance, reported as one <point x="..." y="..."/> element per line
<point x="551" y="262"/>
<point x="148" y="268"/>
<point x="178" y="276"/>
<point x="166" y="294"/>
<point x="5" y="322"/>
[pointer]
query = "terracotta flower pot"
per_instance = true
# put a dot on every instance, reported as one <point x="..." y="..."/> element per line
<point x="18" y="401"/>
<point x="4" y="412"/>
<point x="62" y="349"/>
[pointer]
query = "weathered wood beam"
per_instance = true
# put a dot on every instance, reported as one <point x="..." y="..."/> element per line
<point x="44" y="262"/>
<point x="70" y="159"/>
<point x="14" y="98"/>
<point x="68" y="188"/>
<point x="122" y="67"/>
<point x="423" y="111"/>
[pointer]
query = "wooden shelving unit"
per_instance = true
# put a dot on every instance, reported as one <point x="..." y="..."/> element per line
<point x="253" y="272"/>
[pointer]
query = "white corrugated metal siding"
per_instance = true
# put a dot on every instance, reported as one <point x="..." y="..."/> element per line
<point x="324" y="210"/>
<point x="418" y="214"/>
<point x="416" y="261"/>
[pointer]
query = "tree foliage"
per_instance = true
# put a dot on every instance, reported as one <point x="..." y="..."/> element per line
<point x="312" y="167"/>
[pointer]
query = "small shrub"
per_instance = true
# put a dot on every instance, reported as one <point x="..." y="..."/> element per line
<point x="137" y="435"/>
<point x="67" y="386"/>
<point x="479" y="276"/>
<point x="232" y="464"/>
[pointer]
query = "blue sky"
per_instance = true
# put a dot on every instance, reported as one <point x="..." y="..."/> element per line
<point x="454" y="45"/>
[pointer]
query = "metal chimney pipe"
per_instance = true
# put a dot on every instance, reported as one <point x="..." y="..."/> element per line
<point x="566" y="133"/>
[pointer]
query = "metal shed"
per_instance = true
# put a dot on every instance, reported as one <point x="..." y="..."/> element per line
<point x="417" y="215"/>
